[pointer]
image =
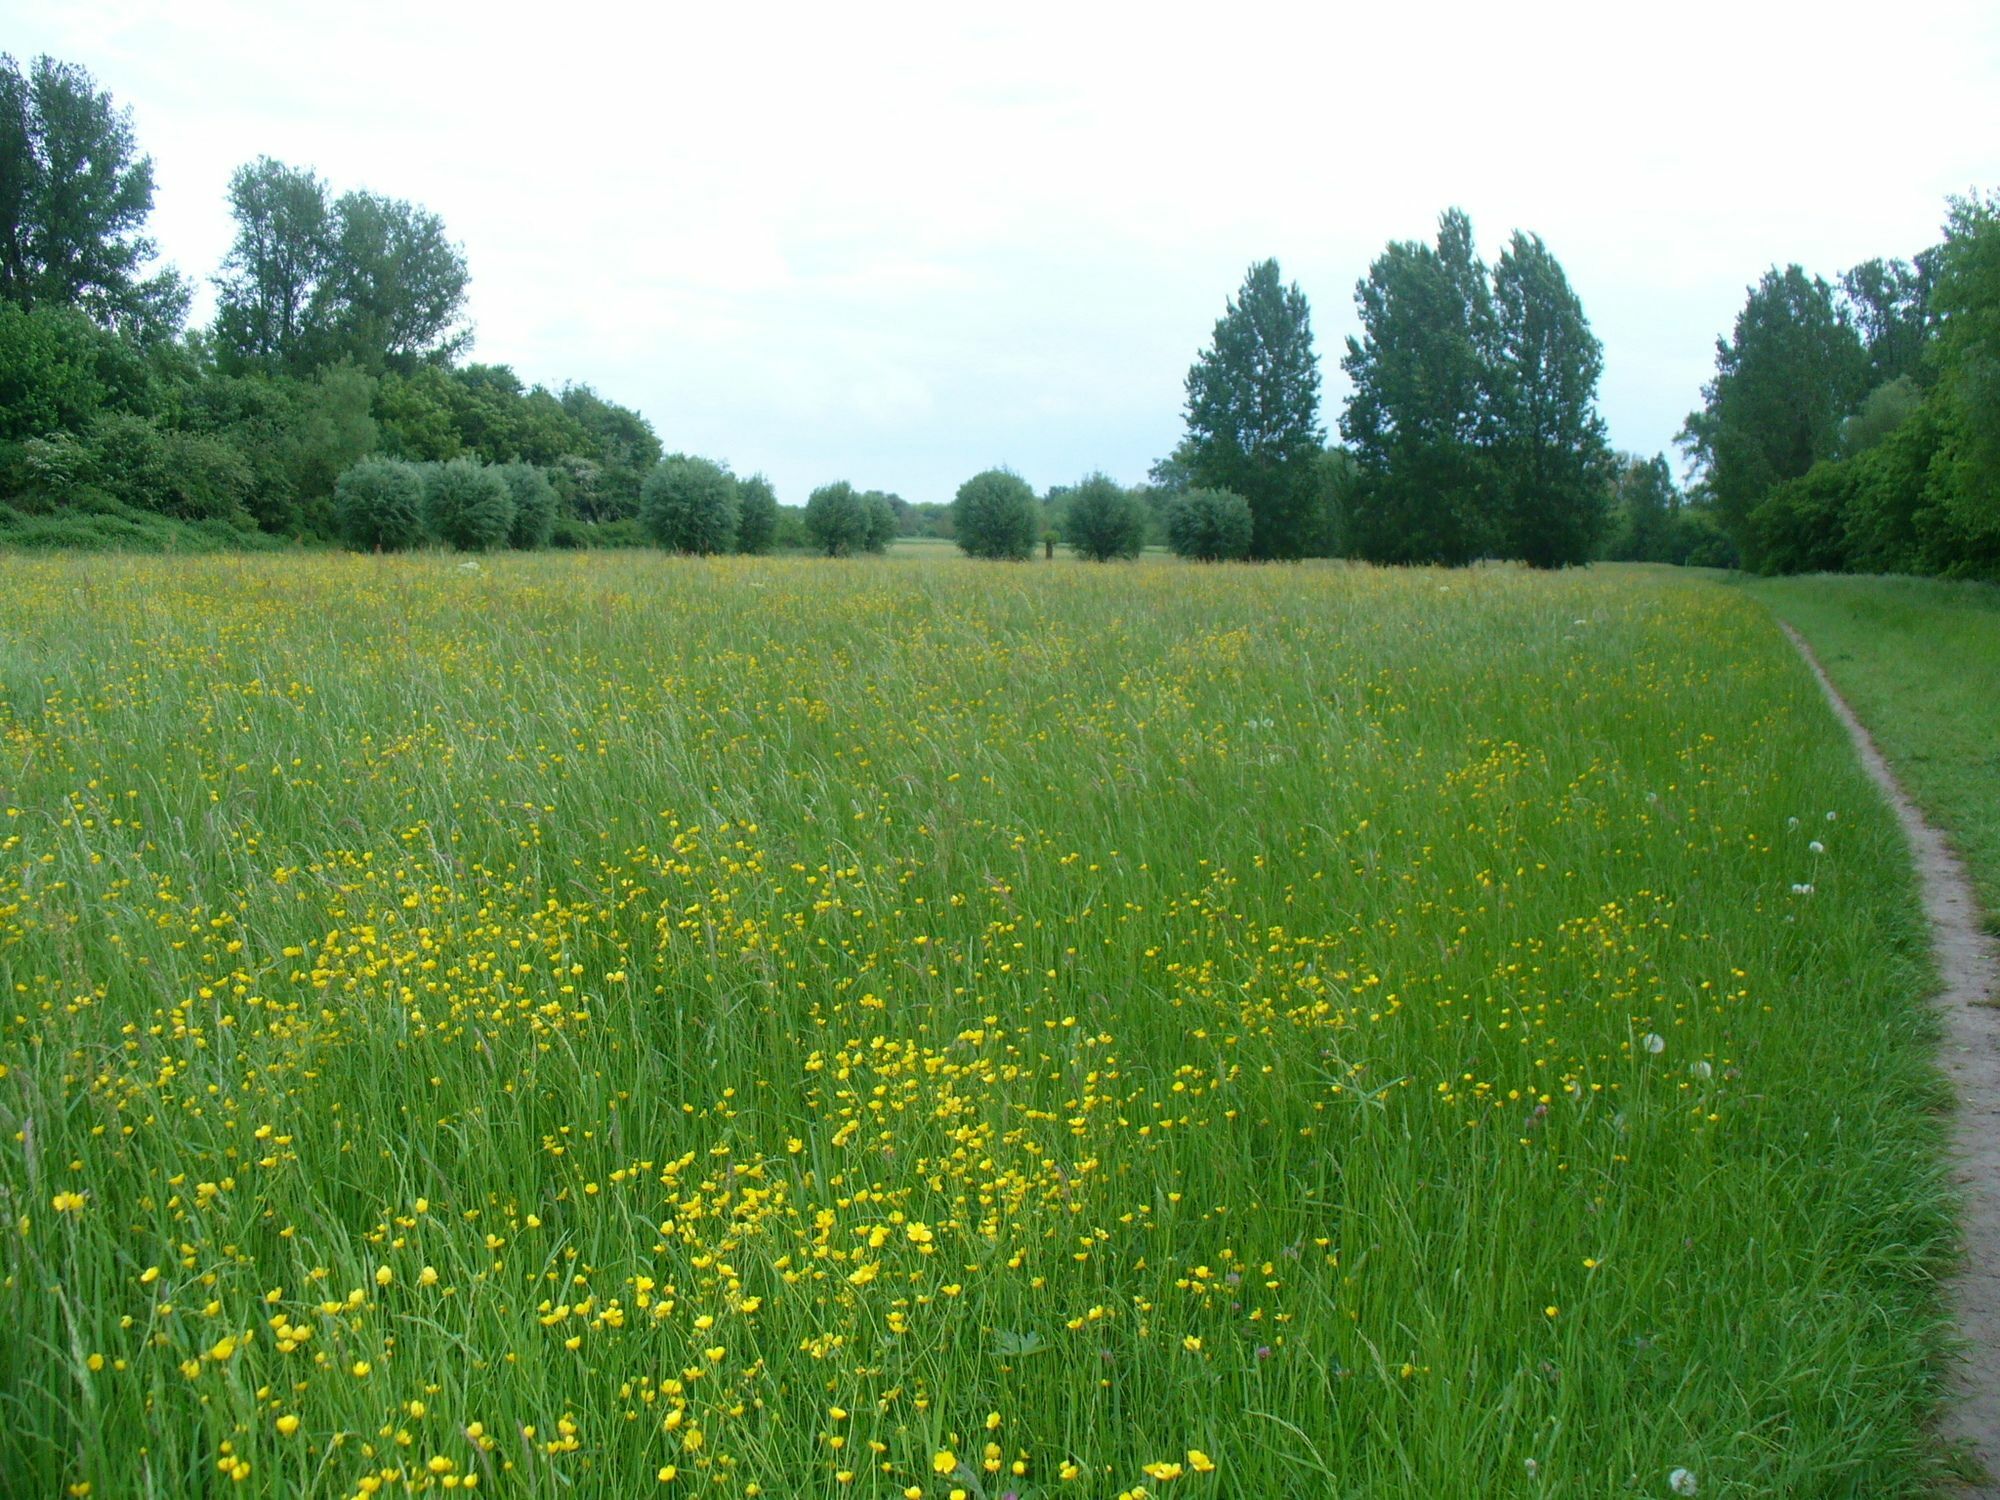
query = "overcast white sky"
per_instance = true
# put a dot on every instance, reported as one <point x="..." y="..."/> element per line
<point x="898" y="244"/>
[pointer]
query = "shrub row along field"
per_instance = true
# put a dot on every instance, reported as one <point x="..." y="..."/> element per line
<point x="791" y="1028"/>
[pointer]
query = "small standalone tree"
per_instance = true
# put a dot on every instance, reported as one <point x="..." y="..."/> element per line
<point x="756" y="515"/>
<point x="534" y="506"/>
<point x="378" y="504"/>
<point x="689" y="505"/>
<point x="466" y="505"/>
<point x="836" y="520"/>
<point x="879" y="517"/>
<point x="1209" y="526"/>
<point x="995" y="516"/>
<point x="1104" y="520"/>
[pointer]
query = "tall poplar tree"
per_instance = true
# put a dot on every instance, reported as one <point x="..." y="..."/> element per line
<point x="1253" y="413"/>
<point x="1551" y="462"/>
<point x="1421" y="408"/>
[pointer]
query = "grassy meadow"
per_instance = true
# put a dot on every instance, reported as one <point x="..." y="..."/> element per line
<point x="601" y="1025"/>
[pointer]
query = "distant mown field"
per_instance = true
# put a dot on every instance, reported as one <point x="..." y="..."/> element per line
<point x="595" y="1024"/>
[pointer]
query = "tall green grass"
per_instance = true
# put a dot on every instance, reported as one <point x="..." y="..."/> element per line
<point x="583" y="1024"/>
<point x="1920" y="661"/>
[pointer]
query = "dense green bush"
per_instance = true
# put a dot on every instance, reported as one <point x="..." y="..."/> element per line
<point x="466" y="505"/>
<point x="94" y="522"/>
<point x="1104" y="520"/>
<point x="836" y="520"/>
<point x="994" y="516"/>
<point x="378" y="505"/>
<point x="1799" y="525"/>
<point x="1209" y="525"/>
<point x="756" y="515"/>
<point x="189" y="476"/>
<point x="688" y="504"/>
<point x="534" y="506"/>
<point x="878" y="521"/>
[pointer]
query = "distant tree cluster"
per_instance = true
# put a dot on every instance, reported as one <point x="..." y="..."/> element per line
<point x="339" y="325"/>
<point x="1855" y="425"/>
<point x="1473" y="420"/>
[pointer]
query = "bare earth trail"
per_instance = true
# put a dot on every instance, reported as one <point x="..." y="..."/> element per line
<point x="1969" y="968"/>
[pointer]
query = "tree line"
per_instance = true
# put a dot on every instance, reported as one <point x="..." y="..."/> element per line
<point x="338" y="337"/>
<point x="1854" y="425"/>
<point x="1848" y="425"/>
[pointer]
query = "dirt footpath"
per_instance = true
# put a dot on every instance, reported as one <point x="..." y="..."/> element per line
<point x="1969" y="967"/>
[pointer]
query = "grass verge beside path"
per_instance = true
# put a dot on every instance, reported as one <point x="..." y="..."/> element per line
<point x="1920" y="661"/>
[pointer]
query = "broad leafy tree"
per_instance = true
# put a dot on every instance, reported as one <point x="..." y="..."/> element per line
<point x="1545" y="435"/>
<point x="1420" y="409"/>
<point x="836" y="520"/>
<point x="74" y="198"/>
<point x="1103" y="520"/>
<point x="1784" y="381"/>
<point x="1209" y="525"/>
<point x="311" y="280"/>
<point x="689" y="505"/>
<point x="467" y="505"/>
<point x="995" y="516"/>
<point x="271" y="313"/>
<point x="1967" y="301"/>
<point x="1253" y="421"/>
<point x="756" y="515"/>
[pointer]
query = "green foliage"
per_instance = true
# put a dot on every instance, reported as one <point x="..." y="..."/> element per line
<point x="311" y="281"/>
<point x="1253" y="412"/>
<point x="756" y="515"/>
<point x="689" y="505"/>
<point x="1209" y="525"/>
<point x="189" y="476"/>
<point x="1783" y="384"/>
<point x="379" y="505"/>
<point x="1967" y="304"/>
<point x="48" y="370"/>
<point x="98" y="523"/>
<point x="1419" y="411"/>
<point x="1885" y="409"/>
<point x="74" y="198"/>
<point x="1645" y="511"/>
<point x="1916" y="485"/>
<point x="878" y="522"/>
<point x="622" y="444"/>
<point x="1889" y="302"/>
<point x="1104" y="520"/>
<point x="534" y="506"/>
<point x="1545" y="437"/>
<point x="994" y="516"/>
<point x="1798" y="526"/>
<point x="836" y="522"/>
<point x="416" y="416"/>
<point x="466" y="505"/>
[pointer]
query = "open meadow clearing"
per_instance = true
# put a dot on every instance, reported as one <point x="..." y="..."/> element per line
<point x="572" y="1025"/>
